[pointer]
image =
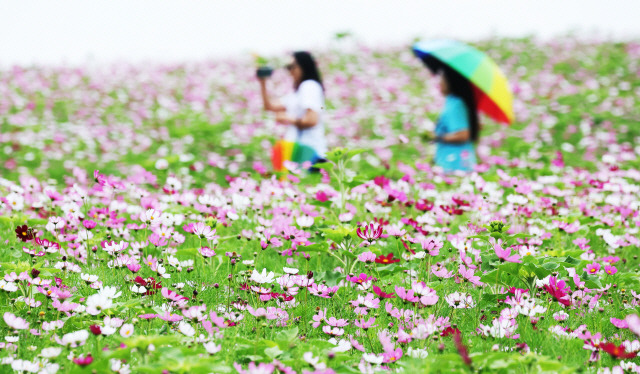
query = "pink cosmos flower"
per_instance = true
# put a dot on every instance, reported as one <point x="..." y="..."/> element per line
<point x="322" y="196"/>
<point x="134" y="267"/>
<point x="619" y="323"/>
<point x="157" y="240"/>
<point x="89" y="224"/>
<point x="569" y="228"/>
<point x="335" y="331"/>
<point x="167" y="316"/>
<point x="362" y="278"/>
<point x="206" y="252"/>
<point x="268" y="313"/>
<point x="365" y="325"/>
<point x="83" y="361"/>
<point x="48" y="246"/>
<point x="201" y="230"/>
<point x="261" y="368"/>
<point x="407" y="296"/>
<point x="431" y="245"/>
<point x="504" y="254"/>
<point x="468" y="274"/>
<point x="383" y="294"/>
<point x="611" y="259"/>
<point x="592" y="268"/>
<point x="582" y="243"/>
<point x="430" y="298"/>
<point x="15" y="322"/>
<point x="371" y="232"/>
<point x="559" y="290"/>
<point x="367" y="257"/>
<point x="610" y="269"/>
<point x="392" y="356"/>
<point x="633" y="322"/>
<point x="218" y="321"/>
<point x="440" y="271"/>
<point x="333" y="321"/>
<point x="319" y="318"/>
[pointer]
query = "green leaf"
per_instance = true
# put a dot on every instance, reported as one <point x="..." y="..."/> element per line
<point x="337" y="235"/>
<point x="336" y="154"/>
<point x="287" y="335"/>
<point x="328" y="166"/>
<point x="354" y="152"/>
<point x="315" y="247"/>
<point x="273" y="352"/>
<point x="331" y="277"/>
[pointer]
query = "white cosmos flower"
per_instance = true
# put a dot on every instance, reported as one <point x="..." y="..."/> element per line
<point x="126" y="330"/>
<point x="75" y="337"/>
<point x="186" y="329"/>
<point x="110" y="292"/>
<point x="262" y="277"/>
<point x="417" y="353"/>
<point x="373" y="358"/>
<point x="113" y="322"/>
<point x="118" y="367"/>
<point x="25" y="366"/>
<point x="304" y="221"/>
<point x="212" y="348"/>
<point x="108" y="330"/>
<point x="85" y="234"/>
<point x="49" y="368"/>
<point x="49" y="326"/>
<point x="89" y="278"/>
<point x="97" y="303"/>
<point x="138" y="289"/>
<point x="308" y="357"/>
<point x="341" y="346"/>
<point x="50" y="352"/>
<point x="290" y="270"/>
<point x="15" y="201"/>
<point x="8" y="286"/>
<point x="162" y="271"/>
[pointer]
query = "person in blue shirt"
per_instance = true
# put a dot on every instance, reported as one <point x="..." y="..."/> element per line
<point x="457" y="127"/>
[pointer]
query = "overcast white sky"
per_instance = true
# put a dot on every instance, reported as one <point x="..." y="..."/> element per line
<point x="80" y="31"/>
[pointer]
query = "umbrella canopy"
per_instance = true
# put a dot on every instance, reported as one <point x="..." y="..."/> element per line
<point x="492" y="93"/>
<point x="289" y="151"/>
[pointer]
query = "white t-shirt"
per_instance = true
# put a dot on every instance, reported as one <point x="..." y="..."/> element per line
<point x="308" y="96"/>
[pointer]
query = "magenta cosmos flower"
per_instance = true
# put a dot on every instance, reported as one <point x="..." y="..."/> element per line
<point x="592" y="268"/>
<point x="371" y="232"/>
<point x="362" y="278"/>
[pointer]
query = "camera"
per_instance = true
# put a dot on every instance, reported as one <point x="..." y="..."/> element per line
<point x="264" y="72"/>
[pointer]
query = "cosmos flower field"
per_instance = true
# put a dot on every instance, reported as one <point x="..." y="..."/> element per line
<point x="143" y="231"/>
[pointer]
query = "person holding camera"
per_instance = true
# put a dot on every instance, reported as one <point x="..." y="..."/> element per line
<point x="302" y="109"/>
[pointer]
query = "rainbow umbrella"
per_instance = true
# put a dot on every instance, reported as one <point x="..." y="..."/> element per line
<point x="491" y="89"/>
<point x="285" y="150"/>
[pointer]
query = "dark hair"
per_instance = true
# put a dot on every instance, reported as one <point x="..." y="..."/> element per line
<point x="308" y="66"/>
<point x="461" y="87"/>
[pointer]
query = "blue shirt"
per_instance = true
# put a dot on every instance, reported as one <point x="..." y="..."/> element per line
<point x="452" y="157"/>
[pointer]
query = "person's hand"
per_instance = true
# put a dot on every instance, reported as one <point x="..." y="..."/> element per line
<point x="427" y="136"/>
<point x="283" y="118"/>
